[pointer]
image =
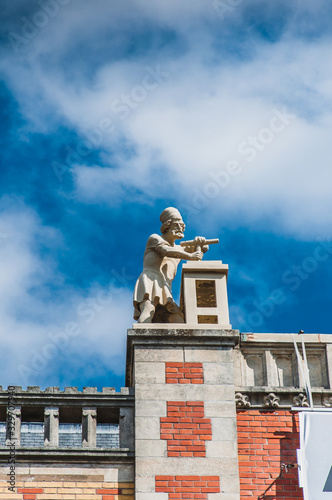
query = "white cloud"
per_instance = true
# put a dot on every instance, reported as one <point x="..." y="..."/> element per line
<point x="193" y="122"/>
<point x="37" y="308"/>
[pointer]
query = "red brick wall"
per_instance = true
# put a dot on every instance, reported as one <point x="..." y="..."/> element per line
<point x="187" y="487"/>
<point x="184" y="373"/>
<point x="266" y="439"/>
<point x="185" y="429"/>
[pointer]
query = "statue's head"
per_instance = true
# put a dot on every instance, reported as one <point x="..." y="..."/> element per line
<point x="172" y="222"/>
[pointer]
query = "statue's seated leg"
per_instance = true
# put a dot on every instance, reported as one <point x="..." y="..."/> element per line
<point x="147" y="312"/>
<point x="169" y="313"/>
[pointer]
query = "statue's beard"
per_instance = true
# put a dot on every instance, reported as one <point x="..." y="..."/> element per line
<point x="178" y="233"/>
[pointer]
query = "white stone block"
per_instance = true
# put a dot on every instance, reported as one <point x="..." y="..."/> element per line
<point x="220" y="409"/>
<point x="230" y="484"/>
<point x="219" y="449"/>
<point x="150" y="372"/>
<point x="151" y="448"/>
<point x="198" y="355"/>
<point x="209" y="392"/>
<point x="218" y="373"/>
<point x="223" y="496"/>
<point x="152" y="408"/>
<point x="152" y="496"/>
<point x="175" y="354"/>
<point x="208" y="355"/>
<point x="196" y="466"/>
<point x="147" y="428"/>
<point x="161" y="392"/>
<point x="145" y="484"/>
<point x="223" y="429"/>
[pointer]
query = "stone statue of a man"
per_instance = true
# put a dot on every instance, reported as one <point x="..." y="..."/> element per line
<point x="153" y="300"/>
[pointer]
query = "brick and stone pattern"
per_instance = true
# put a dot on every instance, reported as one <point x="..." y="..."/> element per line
<point x="266" y="439"/>
<point x="188" y="487"/>
<point x="68" y="490"/>
<point x="184" y="373"/>
<point x="155" y="393"/>
<point x="186" y="429"/>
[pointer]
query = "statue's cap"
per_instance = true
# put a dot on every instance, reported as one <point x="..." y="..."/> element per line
<point x="169" y="213"/>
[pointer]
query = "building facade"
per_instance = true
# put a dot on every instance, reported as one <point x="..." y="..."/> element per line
<point x="208" y="413"/>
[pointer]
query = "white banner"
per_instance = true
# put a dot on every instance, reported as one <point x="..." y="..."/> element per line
<point x="315" y="454"/>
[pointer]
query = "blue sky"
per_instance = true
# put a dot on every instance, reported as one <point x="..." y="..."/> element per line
<point x="112" y="111"/>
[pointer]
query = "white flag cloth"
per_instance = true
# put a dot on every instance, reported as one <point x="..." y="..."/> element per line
<point x="315" y="454"/>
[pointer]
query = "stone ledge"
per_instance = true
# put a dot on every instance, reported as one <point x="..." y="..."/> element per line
<point x="65" y="455"/>
<point x="183" y="334"/>
<point x="68" y="390"/>
<point x="284" y="338"/>
<point x="53" y="397"/>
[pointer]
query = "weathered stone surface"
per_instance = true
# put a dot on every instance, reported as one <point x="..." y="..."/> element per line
<point x="162" y="354"/>
<point x="147" y="428"/>
<point x="151" y="408"/>
<point x="160" y="392"/>
<point x="149" y="372"/>
<point x="212" y="355"/>
<point x="218" y="373"/>
<point x="151" y="448"/>
<point x="51" y="426"/>
<point x="193" y="466"/>
<point x="89" y="427"/>
<point x="127" y="428"/>
<point x="151" y="496"/>
<point x="219" y="409"/>
<point x="217" y="449"/>
<point x="223" y="429"/>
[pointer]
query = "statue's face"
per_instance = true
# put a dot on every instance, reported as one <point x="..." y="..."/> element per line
<point x="176" y="228"/>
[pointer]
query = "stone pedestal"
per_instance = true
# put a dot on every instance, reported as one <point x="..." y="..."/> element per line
<point x="204" y="293"/>
<point x="185" y="416"/>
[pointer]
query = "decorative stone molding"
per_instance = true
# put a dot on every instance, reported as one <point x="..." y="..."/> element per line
<point x="51" y="426"/>
<point x="301" y="400"/>
<point x="13" y="427"/>
<point x="327" y="401"/>
<point x="242" y="400"/>
<point x="271" y="400"/>
<point x="89" y="427"/>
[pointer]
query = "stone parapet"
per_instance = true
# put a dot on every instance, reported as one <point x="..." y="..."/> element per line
<point x="68" y="425"/>
<point x="269" y="361"/>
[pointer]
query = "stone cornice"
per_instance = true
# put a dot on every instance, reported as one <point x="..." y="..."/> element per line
<point x="52" y="396"/>
<point x="66" y="455"/>
<point x="175" y="336"/>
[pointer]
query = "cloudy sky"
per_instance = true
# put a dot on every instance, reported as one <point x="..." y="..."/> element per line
<point x="112" y="111"/>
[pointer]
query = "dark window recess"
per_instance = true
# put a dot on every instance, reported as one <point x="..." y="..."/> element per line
<point x="108" y="436"/>
<point x="206" y="293"/>
<point x="207" y="319"/>
<point x="2" y="433"/>
<point x="70" y="435"/>
<point x="32" y="434"/>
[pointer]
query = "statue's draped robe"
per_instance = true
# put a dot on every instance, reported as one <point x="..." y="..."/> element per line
<point x="155" y="282"/>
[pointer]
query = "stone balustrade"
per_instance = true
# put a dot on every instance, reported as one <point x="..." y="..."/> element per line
<point x="69" y="422"/>
<point x="267" y="374"/>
